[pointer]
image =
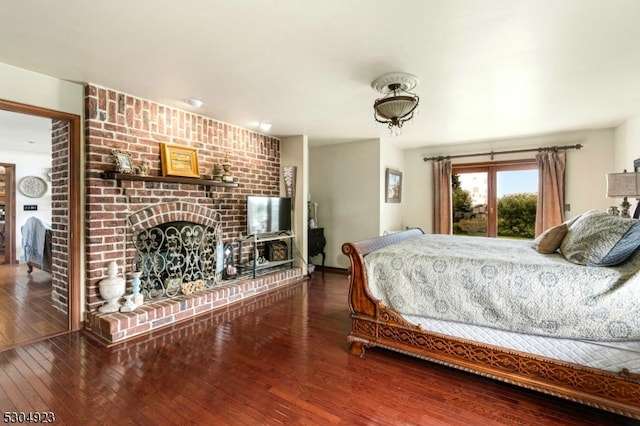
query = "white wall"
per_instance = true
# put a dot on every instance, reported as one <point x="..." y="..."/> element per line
<point x="31" y="88"/>
<point x="627" y="145"/>
<point x="584" y="178"/>
<point x="294" y="151"/>
<point x="391" y="217"/>
<point x="344" y="180"/>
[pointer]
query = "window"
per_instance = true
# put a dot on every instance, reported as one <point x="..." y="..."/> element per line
<point x="497" y="199"/>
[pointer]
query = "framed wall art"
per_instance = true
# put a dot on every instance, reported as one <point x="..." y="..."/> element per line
<point x="393" y="186"/>
<point x="179" y="160"/>
<point x="124" y="163"/>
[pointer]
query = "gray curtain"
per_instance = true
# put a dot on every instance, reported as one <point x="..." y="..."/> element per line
<point x="442" y="197"/>
<point x="550" y="210"/>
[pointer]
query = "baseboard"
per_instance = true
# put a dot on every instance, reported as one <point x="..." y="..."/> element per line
<point x="332" y="269"/>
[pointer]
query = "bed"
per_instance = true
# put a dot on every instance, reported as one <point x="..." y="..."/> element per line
<point x="36" y="243"/>
<point x="541" y="344"/>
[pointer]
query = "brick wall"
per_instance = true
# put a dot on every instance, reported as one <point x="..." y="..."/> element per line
<point x="116" y="120"/>
<point x="60" y="138"/>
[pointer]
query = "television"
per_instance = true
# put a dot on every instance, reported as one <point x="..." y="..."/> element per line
<point x="268" y="215"/>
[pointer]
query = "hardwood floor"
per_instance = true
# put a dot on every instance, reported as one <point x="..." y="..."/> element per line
<point x="278" y="359"/>
<point x="26" y="313"/>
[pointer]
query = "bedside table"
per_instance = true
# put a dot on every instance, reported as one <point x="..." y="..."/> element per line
<point x="316" y="244"/>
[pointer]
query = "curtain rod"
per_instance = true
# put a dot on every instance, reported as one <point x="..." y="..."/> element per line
<point x="492" y="153"/>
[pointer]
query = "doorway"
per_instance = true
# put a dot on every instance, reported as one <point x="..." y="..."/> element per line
<point x="7" y="214"/>
<point x="63" y="294"/>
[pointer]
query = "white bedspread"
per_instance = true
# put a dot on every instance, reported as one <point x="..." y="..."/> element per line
<point x="507" y="285"/>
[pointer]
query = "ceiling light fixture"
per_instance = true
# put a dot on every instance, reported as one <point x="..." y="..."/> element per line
<point x="265" y="127"/>
<point x="195" y="102"/>
<point x="398" y="104"/>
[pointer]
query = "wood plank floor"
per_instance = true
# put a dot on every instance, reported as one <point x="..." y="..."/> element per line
<point x="280" y="359"/>
<point x="26" y="313"/>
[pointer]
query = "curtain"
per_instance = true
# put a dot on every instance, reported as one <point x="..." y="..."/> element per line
<point x="550" y="210"/>
<point x="442" y="197"/>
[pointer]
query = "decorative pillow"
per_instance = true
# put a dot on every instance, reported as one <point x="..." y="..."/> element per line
<point x="623" y="249"/>
<point x="593" y="235"/>
<point x="549" y="241"/>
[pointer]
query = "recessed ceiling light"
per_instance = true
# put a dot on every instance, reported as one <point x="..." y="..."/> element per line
<point x="195" y="102"/>
<point x="265" y="126"/>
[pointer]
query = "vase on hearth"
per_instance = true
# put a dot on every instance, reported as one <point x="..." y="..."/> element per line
<point x="135" y="283"/>
<point x="112" y="289"/>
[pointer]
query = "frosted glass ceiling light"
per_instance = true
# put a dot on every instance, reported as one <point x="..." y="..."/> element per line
<point x="398" y="104"/>
<point x="195" y="102"/>
<point x="265" y="127"/>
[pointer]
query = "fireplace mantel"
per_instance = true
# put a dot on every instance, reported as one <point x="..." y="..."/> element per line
<point x="166" y="179"/>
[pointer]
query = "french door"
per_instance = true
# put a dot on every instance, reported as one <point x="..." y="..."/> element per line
<point x="495" y="199"/>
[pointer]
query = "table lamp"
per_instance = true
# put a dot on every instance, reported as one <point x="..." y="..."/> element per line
<point x="624" y="185"/>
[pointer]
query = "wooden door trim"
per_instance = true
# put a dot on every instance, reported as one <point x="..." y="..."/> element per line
<point x="10" y="213"/>
<point x="74" y="203"/>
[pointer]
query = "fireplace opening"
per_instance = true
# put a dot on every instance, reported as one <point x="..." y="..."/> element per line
<point x="178" y="257"/>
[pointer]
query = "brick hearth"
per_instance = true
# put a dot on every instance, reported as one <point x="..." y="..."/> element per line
<point x="120" y="326"/>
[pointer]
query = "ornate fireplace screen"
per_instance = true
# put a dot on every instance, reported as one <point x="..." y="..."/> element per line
<point x="174" y="253"/>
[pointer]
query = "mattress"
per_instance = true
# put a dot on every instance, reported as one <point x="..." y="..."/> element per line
<point x="608" y="356"/>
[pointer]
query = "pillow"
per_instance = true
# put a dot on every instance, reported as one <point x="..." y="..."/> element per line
<point x="549" y="241"/>
<point x="623" y="249"/>
<point x="546" y="243"/>
<point x="571" y="221"/>
<point x="593" y="235"/>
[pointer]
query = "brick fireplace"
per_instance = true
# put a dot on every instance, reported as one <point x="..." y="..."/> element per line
<point x="115" y="208"/>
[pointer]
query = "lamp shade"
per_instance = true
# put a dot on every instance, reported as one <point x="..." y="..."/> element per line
<point x="395" y="107"/>
<point x="623" y="185"/>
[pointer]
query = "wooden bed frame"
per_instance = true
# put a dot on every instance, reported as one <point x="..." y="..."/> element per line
<point x="373" y="324"/>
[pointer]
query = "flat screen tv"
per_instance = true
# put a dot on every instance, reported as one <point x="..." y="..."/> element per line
<point x="268" y="215"/>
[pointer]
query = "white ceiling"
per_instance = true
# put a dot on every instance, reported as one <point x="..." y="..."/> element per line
<point x="488" y="68"/>
<point x="21" y="132"/>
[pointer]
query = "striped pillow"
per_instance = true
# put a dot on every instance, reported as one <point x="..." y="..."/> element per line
<point x="591" y="238"/>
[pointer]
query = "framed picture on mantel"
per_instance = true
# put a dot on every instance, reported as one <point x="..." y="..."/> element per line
<point x="179" y="160"/>
<point x="393" y="187"/>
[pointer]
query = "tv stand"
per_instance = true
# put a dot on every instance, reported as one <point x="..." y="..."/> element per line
<point x="258" y="263"/>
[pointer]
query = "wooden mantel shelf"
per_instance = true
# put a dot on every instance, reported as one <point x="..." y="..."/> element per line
<point x="166" y="179"/>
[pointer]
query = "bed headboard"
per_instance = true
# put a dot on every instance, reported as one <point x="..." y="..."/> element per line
<point x="365" y="247"/>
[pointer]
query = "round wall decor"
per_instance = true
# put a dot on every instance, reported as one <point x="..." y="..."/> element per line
<point x="32" y="186"/>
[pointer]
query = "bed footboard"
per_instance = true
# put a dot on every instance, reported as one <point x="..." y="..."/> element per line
<point x="373" y="324"/>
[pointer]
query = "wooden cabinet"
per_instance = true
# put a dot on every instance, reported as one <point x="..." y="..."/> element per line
<point x="316" y="244"/>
